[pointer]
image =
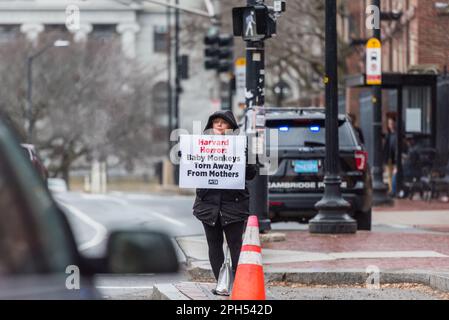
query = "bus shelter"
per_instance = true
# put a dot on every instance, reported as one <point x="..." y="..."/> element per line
<point x="414" y="102"/>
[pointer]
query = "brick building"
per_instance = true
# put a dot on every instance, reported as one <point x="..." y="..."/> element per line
<point x="414" y="46"/>
<point x="418" y="42"/>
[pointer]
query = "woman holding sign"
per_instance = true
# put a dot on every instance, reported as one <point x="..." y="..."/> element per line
<point x="223" y="210"/>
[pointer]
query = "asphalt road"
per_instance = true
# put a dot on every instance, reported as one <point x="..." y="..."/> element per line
<point x="92" y="217"/>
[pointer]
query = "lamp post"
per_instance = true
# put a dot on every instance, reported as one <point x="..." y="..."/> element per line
<point x="30" y="59"/>
<point x="332" y="214"/>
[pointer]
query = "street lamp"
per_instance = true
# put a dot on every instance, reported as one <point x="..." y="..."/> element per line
<point x="57" y="44"/>
<point x="332" y="214"/>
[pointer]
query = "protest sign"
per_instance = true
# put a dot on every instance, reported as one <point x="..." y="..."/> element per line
<point x="212" y="162"/>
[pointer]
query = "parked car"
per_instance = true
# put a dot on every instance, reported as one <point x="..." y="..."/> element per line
<point x="31" y="153"/>
<point x="38" y="253"/>
<point x="297" y="185"/>
<point x="57" y="185"/>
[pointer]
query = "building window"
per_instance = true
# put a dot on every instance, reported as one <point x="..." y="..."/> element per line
<point x="104" y="32"/>
<point x="160" y="39"/>
<point x="160" y="104"/>
<point x="418" y="110"/>
<point x="9" y="33"/>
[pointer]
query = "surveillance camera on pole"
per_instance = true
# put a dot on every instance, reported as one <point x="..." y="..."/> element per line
<point x="256" y="23"/>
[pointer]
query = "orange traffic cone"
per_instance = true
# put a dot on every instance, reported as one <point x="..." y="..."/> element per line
<point x="249" y="279"/>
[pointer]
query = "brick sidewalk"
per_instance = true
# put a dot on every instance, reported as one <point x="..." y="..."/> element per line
<point x="414" y="205"/>
<point x="368" y="242"/>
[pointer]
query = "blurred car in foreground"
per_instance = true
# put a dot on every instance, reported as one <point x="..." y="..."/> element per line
<point x="31" y="153"/>
<point x="39" y="258"/>
<point x="57" y="185"/>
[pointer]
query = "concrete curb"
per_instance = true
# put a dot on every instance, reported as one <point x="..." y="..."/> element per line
<point x="167" y="292"/>
<point x="272" y="237"/>
<point x="432" y="279"/>
<point x="437" y="281"/>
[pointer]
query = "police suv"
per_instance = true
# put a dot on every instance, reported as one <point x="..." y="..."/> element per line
<point x="298" y="185"/>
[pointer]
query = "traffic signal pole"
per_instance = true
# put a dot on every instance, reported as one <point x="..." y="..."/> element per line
<point x="177" y="79"/>
<point x="255" y="23"/>
<point x="255" y="99"/>
<point x="255" y="86"/>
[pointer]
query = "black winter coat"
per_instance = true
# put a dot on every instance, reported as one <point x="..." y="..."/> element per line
<point x="228" y="205"/>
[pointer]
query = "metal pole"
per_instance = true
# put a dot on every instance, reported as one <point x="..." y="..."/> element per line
<point x="332" y="214"/>
<point x="222" y="85"/>
<point x="177" y="78"/>
<point x="169" y="76"/>
<point x="29" y="100"/>
<point x="380" y="189"/>
<point x="399" y="130"/>
<point x="255" y="85"/>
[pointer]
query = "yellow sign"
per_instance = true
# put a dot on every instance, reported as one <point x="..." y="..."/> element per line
<point x="373" y="62"/>
<point x="240" y="81"/>
<point x="240" y="62"/>
<point x="373" y="43"/>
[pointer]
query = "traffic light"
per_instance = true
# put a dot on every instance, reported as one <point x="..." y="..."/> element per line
<point x="211" y="51"/>
<point x="219" y="51"/>
<point x="184" y="67"/>
<point x="256" y="22"/>
<point x="226" y="53"/>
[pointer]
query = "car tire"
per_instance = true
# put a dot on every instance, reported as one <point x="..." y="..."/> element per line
<point x="363" y="219"/>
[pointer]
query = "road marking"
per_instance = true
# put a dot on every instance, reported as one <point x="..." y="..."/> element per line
<point x="118" y="288"/>
<point x="104" y="198"/>
<point x="169" y="220"/>
<point x="100" y="230"/>
<point x="126" y="203"/>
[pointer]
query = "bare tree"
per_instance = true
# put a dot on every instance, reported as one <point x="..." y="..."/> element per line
<point x="88" y="101"/>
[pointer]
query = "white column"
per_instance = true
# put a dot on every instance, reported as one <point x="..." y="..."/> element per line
<point x="128" y="32"/>
<point x="95" y="180"/>
<point x="103" y="177"/>
<point x="80" y="34"/>
<point x="32" y="31"/>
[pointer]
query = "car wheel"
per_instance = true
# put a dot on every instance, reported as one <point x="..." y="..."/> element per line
<point x="363" y="219"/>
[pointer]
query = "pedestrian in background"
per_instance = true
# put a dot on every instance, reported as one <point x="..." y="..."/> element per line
<point x="223" y="210"/>
<point x="389" y="151"/>
<point x="357" y="129"/>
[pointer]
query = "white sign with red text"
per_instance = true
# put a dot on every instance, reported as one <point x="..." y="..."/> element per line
<point x="212" y="161"/>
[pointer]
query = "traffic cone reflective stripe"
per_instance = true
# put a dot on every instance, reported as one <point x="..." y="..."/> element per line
<point x="252" y="236"/>
<point x="249" y="247"/>
<point x="249" y="279"/>
<point x="250" y="258"/>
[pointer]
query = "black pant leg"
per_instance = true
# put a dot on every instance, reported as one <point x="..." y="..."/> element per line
<point x="214" y="237"/>
<point x="234" y="238"/>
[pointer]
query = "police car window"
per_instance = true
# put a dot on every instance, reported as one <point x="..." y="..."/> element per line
<point x="310" y="134"/>
<point x="16" y="249"/>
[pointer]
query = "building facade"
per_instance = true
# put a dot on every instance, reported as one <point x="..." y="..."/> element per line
<point x="143" y="32"/>
<point x="416" y="43"/>
<point x="415" y="56"/>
